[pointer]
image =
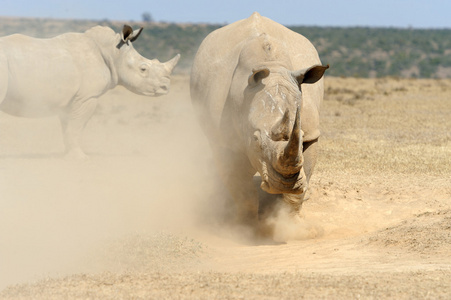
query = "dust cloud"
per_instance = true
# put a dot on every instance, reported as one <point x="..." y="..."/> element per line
<point x="287" y="227"/>
<point x="147" y="171"/>
<point x="144" y="215"/>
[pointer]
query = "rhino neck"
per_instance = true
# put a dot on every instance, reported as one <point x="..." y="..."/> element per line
<point x="109" y="61"/>
<point x="106" y="41"/>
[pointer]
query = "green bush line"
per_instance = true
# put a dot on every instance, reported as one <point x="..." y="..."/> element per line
<point x="350" y="51"/>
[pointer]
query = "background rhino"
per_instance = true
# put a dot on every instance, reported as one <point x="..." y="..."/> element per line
<point x="64" y="75"/>
<point x="257" y="88"/>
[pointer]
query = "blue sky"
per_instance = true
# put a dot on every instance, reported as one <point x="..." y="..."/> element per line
<point x="380" y="13"/>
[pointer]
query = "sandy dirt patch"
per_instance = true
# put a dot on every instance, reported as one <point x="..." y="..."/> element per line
<point x="141" y="218"/>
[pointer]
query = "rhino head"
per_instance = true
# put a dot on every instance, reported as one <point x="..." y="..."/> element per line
<point x="137" y="73"/>
<point x="273" y="135"/>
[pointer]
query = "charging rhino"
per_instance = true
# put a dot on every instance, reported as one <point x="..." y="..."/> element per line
<point x="256" y="87"/>
<point x="64" y="75"/>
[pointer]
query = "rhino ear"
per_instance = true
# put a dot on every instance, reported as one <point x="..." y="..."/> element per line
<point x="128" y="34"/>
<point x="126" y="31"/>
<point x="310" y="75"/>
<point x="258" y="75"/>
<point x="135" y="34"/>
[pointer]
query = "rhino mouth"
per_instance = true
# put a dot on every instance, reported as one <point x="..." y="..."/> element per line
<point x="274" y="182"/>
<point x="157" y="92"/>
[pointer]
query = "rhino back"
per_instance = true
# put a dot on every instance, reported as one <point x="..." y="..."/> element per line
<point x="46" y="74"/>
<point x="217" y="59"/>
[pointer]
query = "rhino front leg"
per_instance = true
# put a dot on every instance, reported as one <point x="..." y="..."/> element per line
<point x="300" y="228"/>
<point x="245" y="198"/>
<point x="73" y="121"/>
<point x="237" y="175"/>
<point x="310" y="150"/>
<point x="294" y="201"/>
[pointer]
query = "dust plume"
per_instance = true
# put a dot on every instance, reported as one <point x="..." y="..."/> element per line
<point x="147" y="172"/>
<point x="146" y="203"/>
<point x="288" y="226"/>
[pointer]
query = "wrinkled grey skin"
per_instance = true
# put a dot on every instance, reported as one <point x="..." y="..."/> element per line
<point x="64" y="75"/>
<point x="257" y="87"/>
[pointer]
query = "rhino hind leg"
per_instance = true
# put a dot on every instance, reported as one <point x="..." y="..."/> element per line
<point x="73" y="121"/>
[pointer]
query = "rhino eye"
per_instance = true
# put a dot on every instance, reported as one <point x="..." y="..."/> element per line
<point x="256" y="138"/>
<point x="143" y="68"/>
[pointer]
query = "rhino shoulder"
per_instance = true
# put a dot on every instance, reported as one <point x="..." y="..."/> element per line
<point x="99" y="31"/>
<point x="102" y="36"/>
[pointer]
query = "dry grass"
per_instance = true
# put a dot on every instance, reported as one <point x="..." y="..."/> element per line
<point x="387" y="126"/>
<point x="381" y="193"/>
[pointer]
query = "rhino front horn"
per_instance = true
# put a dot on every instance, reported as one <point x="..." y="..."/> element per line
<point x="170" y="64"/>
<point x="291" y="156"/>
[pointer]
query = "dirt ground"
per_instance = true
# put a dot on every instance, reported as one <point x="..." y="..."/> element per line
<point x="141" y="218"/>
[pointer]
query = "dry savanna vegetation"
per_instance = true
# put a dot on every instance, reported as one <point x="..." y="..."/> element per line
<point x="141" y="218"/>
<point x="352" y="51"/>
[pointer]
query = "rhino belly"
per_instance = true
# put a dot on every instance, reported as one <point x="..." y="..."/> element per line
<point x="39" y="95"/>
<point x="39" y="100"/>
